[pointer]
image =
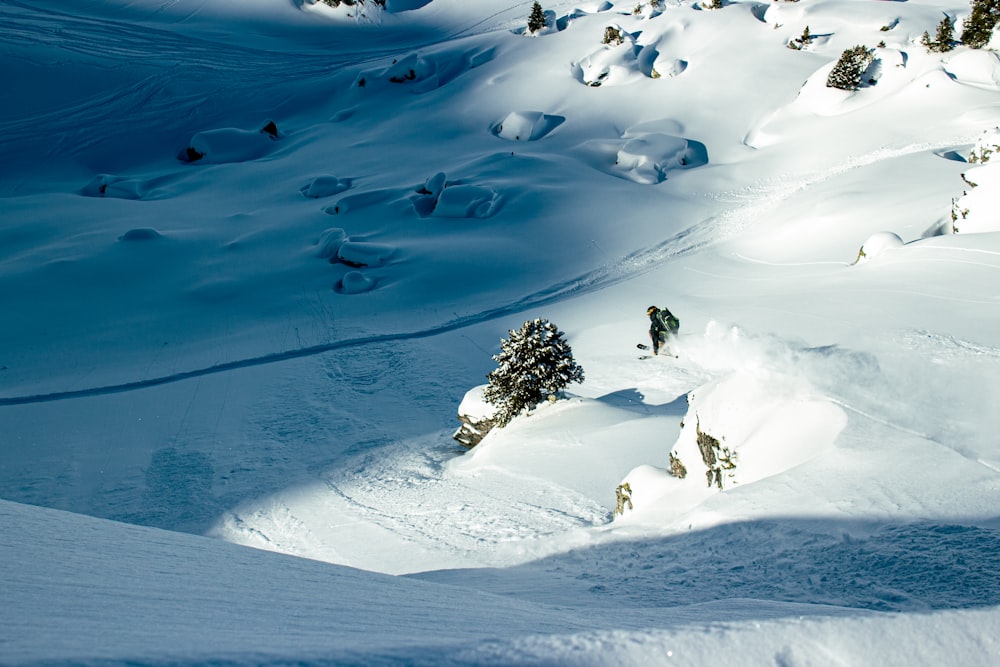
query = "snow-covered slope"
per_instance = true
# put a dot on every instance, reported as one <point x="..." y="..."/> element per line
<point x="253" y="258"/>
<point x="82" y="591"/>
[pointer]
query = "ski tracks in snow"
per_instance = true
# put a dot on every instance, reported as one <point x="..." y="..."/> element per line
<point x="405" y="508"/>
<point x="751" y="202"/>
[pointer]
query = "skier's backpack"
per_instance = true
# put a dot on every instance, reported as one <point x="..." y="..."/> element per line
<point x="669" y="321"/>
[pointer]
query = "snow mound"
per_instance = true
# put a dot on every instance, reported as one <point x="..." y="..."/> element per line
<point x="585" y="9"/>
<point x="422" y="73"/>
<point x="646" y="158"/>
<point x="118" y="187"/>
<point x="474" y="406"/>
<point x="750" y="425"/>
<point x="140" y="234"/>
<point x="441" y="199"/>
<point x="889" y="76"/>
<point x="434" y="185"/>
<point x="360" y="201"/>
<point x="577" y="445"/>
<point x="615" y="64"/>
<point x="526" y="125"/>
<point x="986" y="146"/>
<point x="878" y="243"/>
<point x="668" y="67"/>
<point x="975" y="67"/>
<point x="329" y="242"/>
<point x="405" y="5"/>
<point x="230" y="144"/>
<point x="325" y="186"/>
<point x="359" y="253"/>
<point x="355" y="282"/>
<point x="978" y="209"/>
<point x="466" y="201"/>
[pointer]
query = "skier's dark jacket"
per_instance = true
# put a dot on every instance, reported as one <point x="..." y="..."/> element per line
<point x="662" y="324"/>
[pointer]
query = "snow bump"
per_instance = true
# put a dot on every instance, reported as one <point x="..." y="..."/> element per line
<point x="526" y="125"/>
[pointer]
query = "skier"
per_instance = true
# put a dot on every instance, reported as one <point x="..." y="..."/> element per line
<point x="662" y="327"/>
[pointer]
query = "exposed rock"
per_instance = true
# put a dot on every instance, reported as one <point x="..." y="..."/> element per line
<point x="476" y="416"/>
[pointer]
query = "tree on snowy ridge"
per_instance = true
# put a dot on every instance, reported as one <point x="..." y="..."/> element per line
<point x="536" y="19"/>
<point x="943" y="39"/>
<point x="535" y="363"/>
<point x="978" y="28"/>
<point x="847" y="74"/>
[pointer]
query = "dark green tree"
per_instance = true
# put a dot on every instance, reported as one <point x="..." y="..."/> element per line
<point x="978" y="28"/>
<point x="945" y="37"/>
<point x="534" y="363"/>
<point x="536" y="19"/>
<point x="848" y="71"/>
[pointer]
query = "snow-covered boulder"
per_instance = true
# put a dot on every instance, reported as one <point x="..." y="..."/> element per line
<point x="876" y="244"/>
<point x="978" y="209"/>
<point x="355" y="282"/>
<point x="466" y="201"/>
<point x="975" y="67"/>
<point x="745" y="427"/>
<point x="644" y="157"/>
<point x="329" y="242"/>
<point x="434" y="185"/>
<point x="230" y="144"/>
<point x="140" y="234"/>
<point x="986" y="147"/>
<point x="648" y="158"/>
<point x="614" y="63"/>
<point x="476" y="416"/>
<point x="358" y="253"/>
<point x="325" y="186"/>
<point x="526" y="125"/>
<point x="118" y="187"/>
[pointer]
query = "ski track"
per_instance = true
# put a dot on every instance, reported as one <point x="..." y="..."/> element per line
<point x="174" y="87"/>
<point x="412" y="497"/>
<point x="715" y="229"/>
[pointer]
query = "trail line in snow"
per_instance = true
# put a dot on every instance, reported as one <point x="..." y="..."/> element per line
<point x="710" y="231"/>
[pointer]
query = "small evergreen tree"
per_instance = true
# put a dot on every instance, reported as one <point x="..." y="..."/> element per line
<point x="536" y="19"/>
<point x="848" y="71"/>
<point x="978" y="28"/>
<point x="945" y="35"/>
<point x="534" y="363"/>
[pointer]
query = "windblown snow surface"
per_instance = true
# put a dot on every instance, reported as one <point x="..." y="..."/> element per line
<point x="254" y="255"/>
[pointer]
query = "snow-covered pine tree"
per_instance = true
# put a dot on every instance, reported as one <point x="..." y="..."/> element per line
<point x="978" y="28"/>
<point x="534" y="363"/>
<point x="943" y="40"/>
<point x="848" y="71"/>
<point x="536" y="19"/>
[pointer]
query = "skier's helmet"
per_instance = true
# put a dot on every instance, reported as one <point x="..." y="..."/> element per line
<point x="651" y="310"/>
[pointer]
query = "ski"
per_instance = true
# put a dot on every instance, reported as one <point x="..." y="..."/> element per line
<point x="666" y="352"/>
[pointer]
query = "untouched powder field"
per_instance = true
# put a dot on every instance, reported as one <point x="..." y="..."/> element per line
<point x="254" y="259"/>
